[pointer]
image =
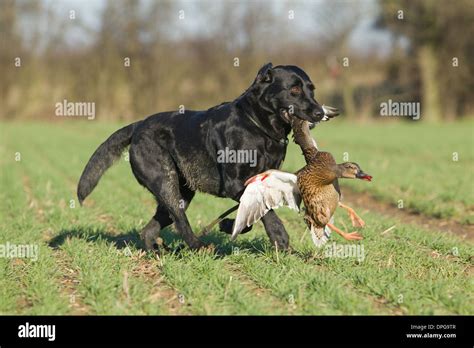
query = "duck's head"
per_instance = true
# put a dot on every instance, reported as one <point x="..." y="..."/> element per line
<point x="351" y="170"/>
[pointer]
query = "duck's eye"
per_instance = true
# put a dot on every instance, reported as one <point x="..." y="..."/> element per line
<point x="295" y="90"/>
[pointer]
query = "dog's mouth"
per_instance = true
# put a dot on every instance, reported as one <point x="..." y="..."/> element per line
<point x="329" y="112"/>
<point x="285" y="115"/>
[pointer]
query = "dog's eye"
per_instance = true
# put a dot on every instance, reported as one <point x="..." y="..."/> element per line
<point x="295" y="90"/>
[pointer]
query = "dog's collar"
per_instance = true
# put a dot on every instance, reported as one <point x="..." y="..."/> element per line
<point x="259" y="126"/>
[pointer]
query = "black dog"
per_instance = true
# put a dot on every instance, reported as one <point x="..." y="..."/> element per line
<point x="175" y="154"/>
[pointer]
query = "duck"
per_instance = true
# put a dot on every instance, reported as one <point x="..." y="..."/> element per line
<point x="310" y="150"/>
<point x="316" y="185"/>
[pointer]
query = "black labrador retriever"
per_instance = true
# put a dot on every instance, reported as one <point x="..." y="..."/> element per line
<point x="175" y="154"/>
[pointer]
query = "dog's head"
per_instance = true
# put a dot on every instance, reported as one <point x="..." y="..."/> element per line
<point x="287" y="91"/>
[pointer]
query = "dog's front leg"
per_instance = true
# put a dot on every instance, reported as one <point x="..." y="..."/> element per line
<point x="276" y="231"/>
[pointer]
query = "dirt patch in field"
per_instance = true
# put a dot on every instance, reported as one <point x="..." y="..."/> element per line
<point x="366" y="201"/>
<point x="69" y="280"/>
<point x="162" y="291"/>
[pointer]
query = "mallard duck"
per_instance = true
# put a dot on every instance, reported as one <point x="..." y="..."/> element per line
<point x="319" y="188"/>
<point x="308" y="145"/>
<point x="316" y="184"/>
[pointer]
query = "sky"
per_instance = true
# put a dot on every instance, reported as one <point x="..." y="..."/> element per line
<point x="363" y="39"/>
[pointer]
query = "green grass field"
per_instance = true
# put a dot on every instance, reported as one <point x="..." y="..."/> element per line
<point x="90" y="258"/>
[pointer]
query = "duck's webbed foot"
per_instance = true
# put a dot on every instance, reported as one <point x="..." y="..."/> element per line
<point x="345" y="235"/>
<point x="356" y="219"/>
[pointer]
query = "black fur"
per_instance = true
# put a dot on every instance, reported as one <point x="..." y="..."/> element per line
<point x="174" y="155"/>
<point x="102" y="159"/>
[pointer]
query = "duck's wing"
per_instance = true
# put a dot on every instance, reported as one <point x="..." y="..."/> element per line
<point x="329" y="112"/>
<point x="264" y="192"/>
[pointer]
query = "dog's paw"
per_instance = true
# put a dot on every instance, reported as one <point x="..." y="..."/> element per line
<point x="195" y="244"/>
<point x="154" y="247"/>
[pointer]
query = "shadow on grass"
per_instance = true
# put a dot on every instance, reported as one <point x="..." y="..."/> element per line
<point x="121" y="241"/>
<point x="257" y="245"/>
<point x="174" y="244"/>
<point x="94" y="234"/>
<point x="224" y="246"/>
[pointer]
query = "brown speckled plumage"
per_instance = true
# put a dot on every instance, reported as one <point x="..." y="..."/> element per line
<point x="317" y="185"/>
<point x="302" y="137"/>
<point x="317" y="181"/>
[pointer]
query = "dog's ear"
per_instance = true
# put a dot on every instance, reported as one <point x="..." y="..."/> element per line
<point x="265" y="73"/>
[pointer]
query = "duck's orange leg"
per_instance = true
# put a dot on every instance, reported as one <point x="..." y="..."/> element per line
<point x="356" y="219"/>
<point x="345" y="235"/>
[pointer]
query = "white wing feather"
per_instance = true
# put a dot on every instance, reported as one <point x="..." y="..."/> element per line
<point x="266" y="191"/>
<point x="320" y="241"/>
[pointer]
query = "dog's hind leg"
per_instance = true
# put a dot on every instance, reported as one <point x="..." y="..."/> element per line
<point x="159" y="175"/>
<point x="177" y="213"/>
<point x="151" y="232"/>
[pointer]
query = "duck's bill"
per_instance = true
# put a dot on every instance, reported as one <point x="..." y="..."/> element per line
<point x="364" y="176"/>
<point x="329" y="112"/>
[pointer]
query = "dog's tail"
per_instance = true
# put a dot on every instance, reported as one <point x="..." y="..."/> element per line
<point x="103" y="158"/>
